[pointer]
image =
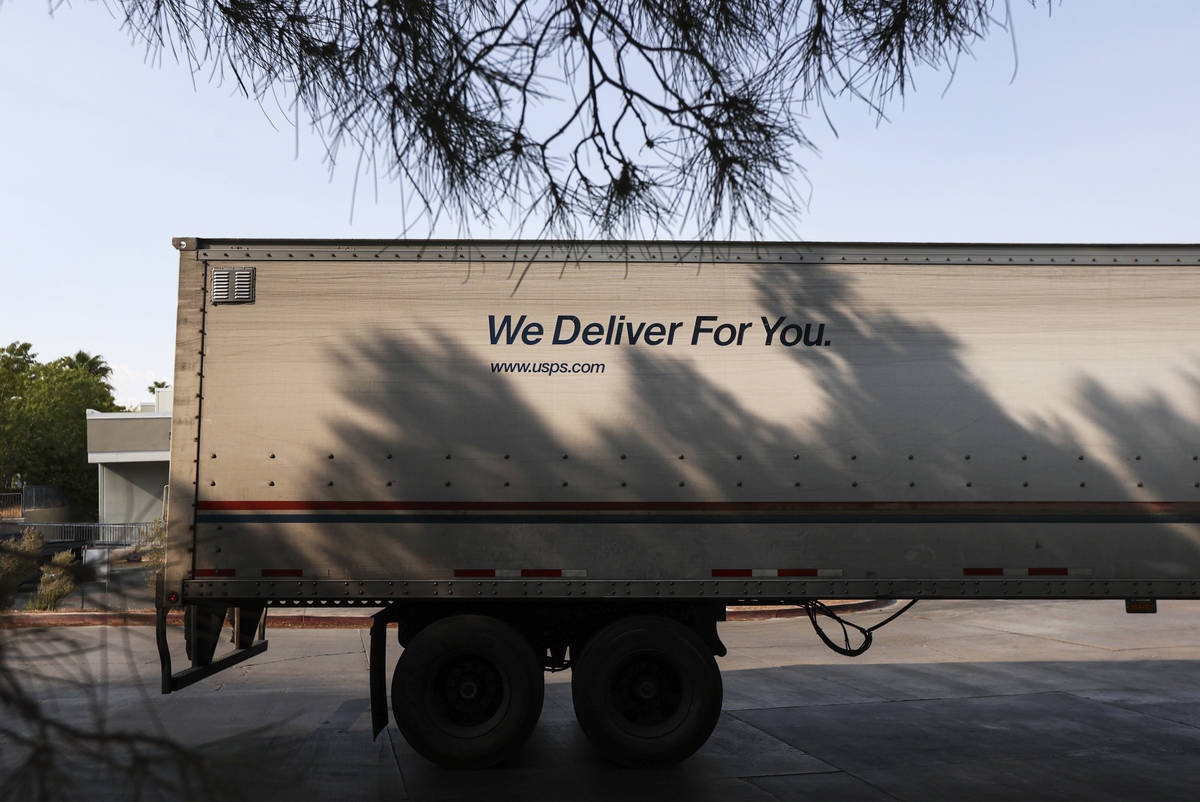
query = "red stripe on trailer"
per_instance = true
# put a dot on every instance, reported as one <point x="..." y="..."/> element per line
<point x="721" y="572"/>
<point x="215" y="572"/>
<point x="541" y="572"/>
<point x="1048" y="572"/>
<point x="474" y="571"/>
<point x="797" y="571"/>
<point x="1064" y="508"/>
<point x="283" y="572"/>
<point x="983" y="572"/>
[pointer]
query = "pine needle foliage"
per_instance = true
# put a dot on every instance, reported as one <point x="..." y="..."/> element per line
<point x="608" y="115"/>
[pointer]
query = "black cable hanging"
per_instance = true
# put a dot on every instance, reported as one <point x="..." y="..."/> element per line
<point x="815" y="607"/>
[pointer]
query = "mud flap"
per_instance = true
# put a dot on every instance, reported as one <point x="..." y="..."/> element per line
<point x="378" y="664"/>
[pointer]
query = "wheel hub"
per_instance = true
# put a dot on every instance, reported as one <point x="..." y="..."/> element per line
<point x="648" y="690"/>
<point x="470" y="690"/>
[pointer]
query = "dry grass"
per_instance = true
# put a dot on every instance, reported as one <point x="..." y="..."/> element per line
<point x="58" y="580"/>
<point x="18" y="562"/>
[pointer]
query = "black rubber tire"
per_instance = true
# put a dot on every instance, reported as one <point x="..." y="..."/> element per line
<point x="467" y="692"/>
<point x="647" y="691"/>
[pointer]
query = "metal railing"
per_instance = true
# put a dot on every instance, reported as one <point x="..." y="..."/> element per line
<point x="10" y="505"/>
<point x="35" y="497"/>
<point x="91" y="534"/>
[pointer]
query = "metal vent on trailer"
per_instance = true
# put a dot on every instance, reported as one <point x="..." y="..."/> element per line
<point x="233" y="286"/>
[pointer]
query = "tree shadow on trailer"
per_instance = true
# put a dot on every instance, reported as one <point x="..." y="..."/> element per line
<point x="428" y="424"/>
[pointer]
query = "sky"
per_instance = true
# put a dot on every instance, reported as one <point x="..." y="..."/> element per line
<point x="104" y="157"/>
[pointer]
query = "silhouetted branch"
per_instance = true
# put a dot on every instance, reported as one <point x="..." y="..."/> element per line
<point x="575" y="113"/>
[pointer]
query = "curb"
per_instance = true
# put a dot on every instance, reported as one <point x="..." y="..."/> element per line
<point x="791" y="611"/>
<point x="84" y="618"/>
<point x="277" y="619"/>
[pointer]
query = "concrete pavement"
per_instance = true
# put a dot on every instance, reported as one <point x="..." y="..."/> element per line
<point x="981" y="700"/>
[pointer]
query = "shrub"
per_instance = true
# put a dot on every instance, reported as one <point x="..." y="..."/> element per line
<point x="18" y="562"/>
<point x="153" y="549"/>
<point x="58" y="580"/>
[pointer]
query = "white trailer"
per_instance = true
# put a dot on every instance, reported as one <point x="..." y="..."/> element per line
<point x="540" y="455"/>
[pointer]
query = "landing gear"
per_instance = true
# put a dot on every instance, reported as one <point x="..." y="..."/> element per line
<point x="467" y="691"/>
<point x="202" y="630"/>
<point x="647" y="691"/>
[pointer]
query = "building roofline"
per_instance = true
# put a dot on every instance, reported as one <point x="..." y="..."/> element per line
<point x="94" y="415"/>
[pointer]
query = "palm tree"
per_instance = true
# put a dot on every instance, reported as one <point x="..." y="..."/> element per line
<point x="92" y="365"/>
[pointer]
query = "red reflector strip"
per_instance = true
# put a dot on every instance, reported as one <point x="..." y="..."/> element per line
<point x="282" y="572"/>
<point x="1039" y="571"/>
<point x="215" y="572"/>
<point x="541" y="572"/>
<point x="761" y="573"/>
<point x="474" y="571"/>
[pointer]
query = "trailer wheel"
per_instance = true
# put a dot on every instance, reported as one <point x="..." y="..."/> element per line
<point x="647" y="691"/>
<point x="467" y="691"/>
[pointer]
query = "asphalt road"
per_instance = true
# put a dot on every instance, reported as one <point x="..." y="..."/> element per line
<point x="957" y="700"/>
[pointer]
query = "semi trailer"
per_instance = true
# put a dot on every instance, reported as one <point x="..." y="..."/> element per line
<point x="537" y="455"/>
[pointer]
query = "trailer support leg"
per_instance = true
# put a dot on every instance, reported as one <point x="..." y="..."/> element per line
<point x="249" y="624"/>
<point x="202" y="631"/>
<point x="173" y="682"/>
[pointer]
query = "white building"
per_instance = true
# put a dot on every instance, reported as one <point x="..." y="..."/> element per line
<point x="132" y="451"/>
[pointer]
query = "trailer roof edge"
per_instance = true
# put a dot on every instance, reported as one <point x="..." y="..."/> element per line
<point x="239" y="249"/>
